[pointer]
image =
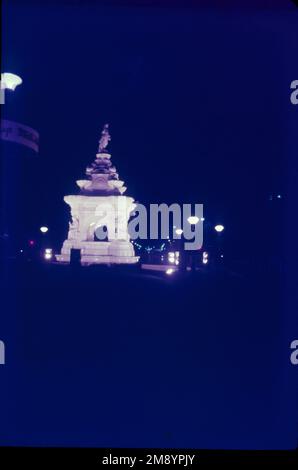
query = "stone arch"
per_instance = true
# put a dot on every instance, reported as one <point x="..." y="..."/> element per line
<point x="95" y="232"/>
<point x="101" y="233"/>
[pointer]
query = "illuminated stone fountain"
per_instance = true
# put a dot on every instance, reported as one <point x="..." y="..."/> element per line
<point x="100" y="215"/>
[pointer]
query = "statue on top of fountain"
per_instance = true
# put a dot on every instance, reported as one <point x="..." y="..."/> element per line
<point x="105" y="138"/>
<point x="101" y="193"/>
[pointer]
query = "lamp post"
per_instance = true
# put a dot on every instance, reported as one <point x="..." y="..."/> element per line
<point x="9" y="81"/>
<point x="193" y="220"/>
<point x="219" y="228"/>
<point x="46" y="253"/>
<point x="180" y="247"/>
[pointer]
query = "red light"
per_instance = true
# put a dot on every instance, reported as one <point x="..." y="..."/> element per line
<point x="31" y="242"/>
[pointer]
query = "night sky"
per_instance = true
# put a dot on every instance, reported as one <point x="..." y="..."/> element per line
<point x="197" y="98"/>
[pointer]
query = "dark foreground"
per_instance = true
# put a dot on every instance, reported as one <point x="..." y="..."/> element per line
<point x="109" y="357"/>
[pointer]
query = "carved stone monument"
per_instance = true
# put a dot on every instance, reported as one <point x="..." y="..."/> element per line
<point x="100" y="214"/>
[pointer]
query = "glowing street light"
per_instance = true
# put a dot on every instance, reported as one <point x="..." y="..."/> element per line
<point x="179" y="231"/>
<point x="219" y="228"/>
<point x="169" y="271"/>
<point x="205" y="257"/>
<point x="10" y="81"/>
<point x="44" y="229"/>
<point x="193" y="220"/>
<point x="48" y="254"/>
<point x="173" y="257"/>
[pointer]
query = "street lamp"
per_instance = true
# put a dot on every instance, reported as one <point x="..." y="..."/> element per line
<point x="193" y="220"/>
<point x="219" y="228"/>
<point x="48" y="254"/>
<point x="10" y="81"/>
<point x="44" y="229"/>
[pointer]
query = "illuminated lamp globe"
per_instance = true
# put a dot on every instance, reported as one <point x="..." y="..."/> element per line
<point x="219" y="228"/>
<point x="10" y="81"/>
<point x="193" y="220"/>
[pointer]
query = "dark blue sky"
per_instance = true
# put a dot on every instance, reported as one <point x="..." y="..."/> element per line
<point x="197" y="99"/>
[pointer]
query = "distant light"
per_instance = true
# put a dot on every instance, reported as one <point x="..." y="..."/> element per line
<point x="48" y="254"/>
<point x="10" y="81"/>
<point x="221" y="256"/>
<point x="169" y="271"/>
<point x="205" y="257"/>
<point x="31" y="242"/>
<point x="202" y="219"/>
<point x="219" y="228"/>
<point x="173" y="257"/>
<point x="44" y="229"/>
<point x="21" y="251"/>
<point x="193" y="219"/>
<point x="178" y="231"/>
<point x="278" y="196"/>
